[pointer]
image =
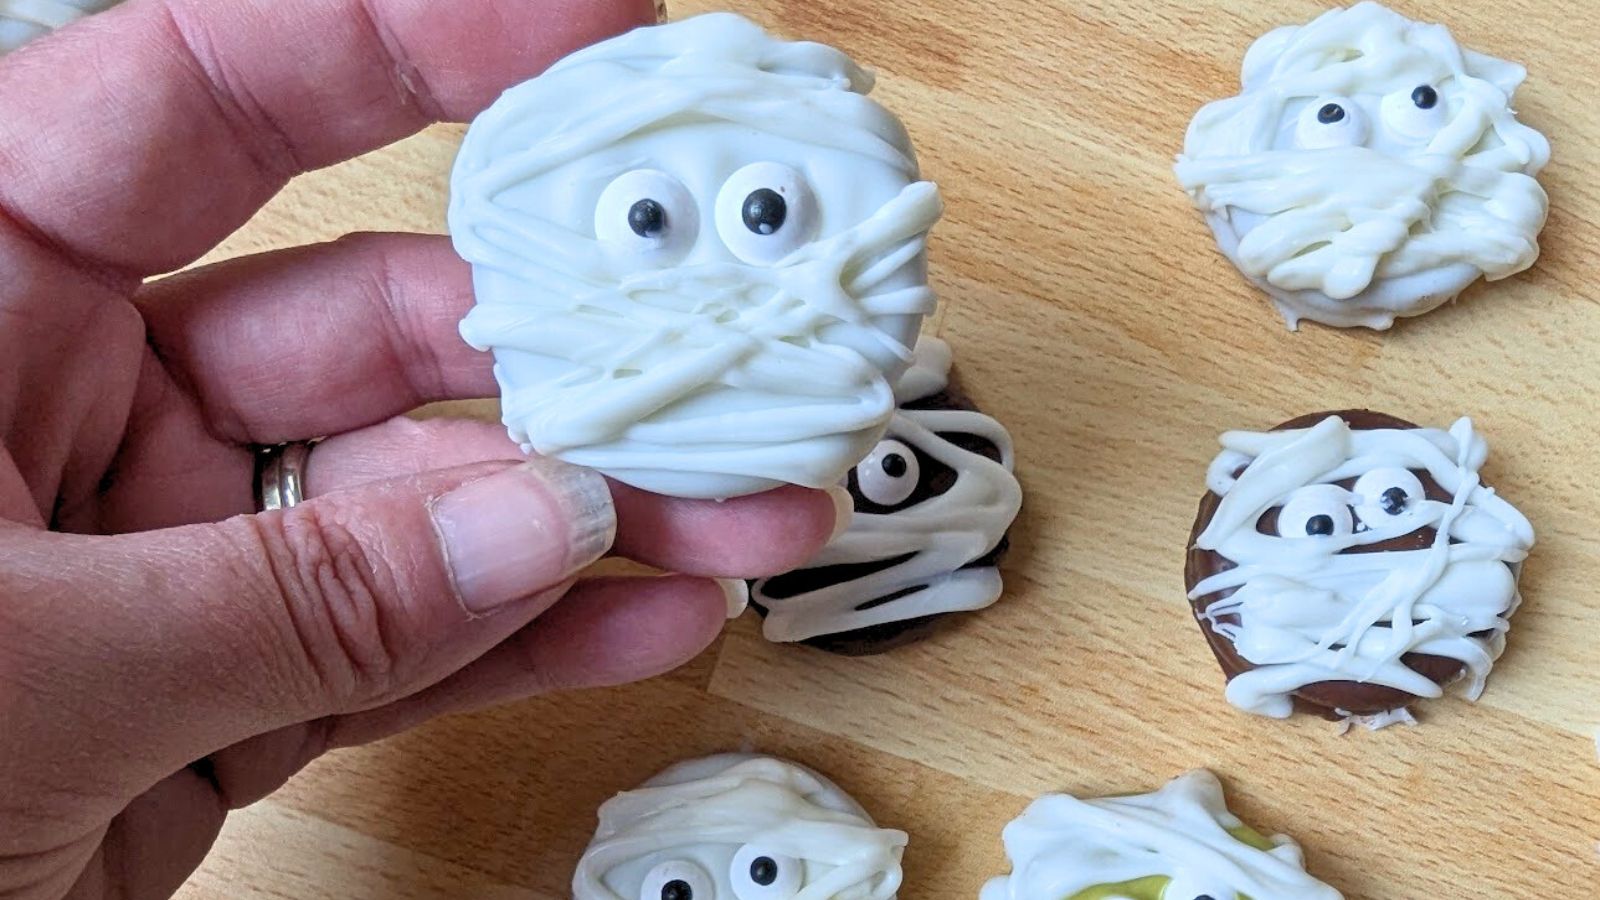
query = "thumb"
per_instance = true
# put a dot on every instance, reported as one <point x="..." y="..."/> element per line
<point x="220" y="632"/>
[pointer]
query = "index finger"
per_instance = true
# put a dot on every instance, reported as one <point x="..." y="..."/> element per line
<point x="135" y="141"/>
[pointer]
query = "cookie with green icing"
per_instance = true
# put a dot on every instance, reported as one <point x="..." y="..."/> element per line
<point x="1177" y="843"/>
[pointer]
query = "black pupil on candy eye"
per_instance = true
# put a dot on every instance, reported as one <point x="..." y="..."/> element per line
<point x="1319" y="526"/>
<point x="765" y="211"/>
<point x="1425" y="97"/>
<point x="763" y="870"/>
<point x="894" y="465"/>
<point x="1394" y="501"/>
<point x="647" y="218"/>
<point x="677" y="889"/>
<point x="1330" y="114"/>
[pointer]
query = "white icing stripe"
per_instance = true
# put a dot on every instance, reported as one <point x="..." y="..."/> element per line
<point x="715" y="806"/>
<point x="708" y="377"/>
<point x="941" y="534"/>
<point x="1388" y="210"/>
<point x="1308" y="612"/>
<point x="1062" y="846"/>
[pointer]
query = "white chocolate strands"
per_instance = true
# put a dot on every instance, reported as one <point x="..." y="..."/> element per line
<point x="707" y="823"/>
<point x="1370" y="168"/>
<point x="1302" y="611"/>
<point x="23" y="20"/>
<point x="935" y="540"/>
<point x="1062" y="846"/>
<point x="699" y="258"/>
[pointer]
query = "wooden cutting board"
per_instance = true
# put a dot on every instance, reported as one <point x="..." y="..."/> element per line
<point x="1090" y="311"/>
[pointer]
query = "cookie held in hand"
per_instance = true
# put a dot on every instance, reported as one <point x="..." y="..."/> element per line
<point x="698" y="257"/>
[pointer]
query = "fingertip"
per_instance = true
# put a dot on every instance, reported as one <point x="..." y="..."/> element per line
<point x="611" y="631"/>
<point x="747" y="537"/>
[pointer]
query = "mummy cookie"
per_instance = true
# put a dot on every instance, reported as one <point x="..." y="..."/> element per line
<point x="23" y="20"/>
<point x="1369" y="169"/>
<point x="738" y="827"/>
<point x="933" y="502"/>
<point x="1179" y="843"/>
<point x="1354" y="562"/>
<point x="698" y="254"/>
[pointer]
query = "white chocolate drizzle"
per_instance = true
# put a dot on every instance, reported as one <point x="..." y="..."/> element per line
<point x="1302" y="611"/>
<point x="1389" y="210"/>
<point x="1062" y="846"/>
<point x="939" y="536"/>
<point x="23" y="20"/>
<point x="699" y="816"/>
<point x="701" y="364"/>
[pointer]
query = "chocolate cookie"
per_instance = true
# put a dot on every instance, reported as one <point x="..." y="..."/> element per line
<point x="1319" y="575"/>
<point x="933" y="502"/>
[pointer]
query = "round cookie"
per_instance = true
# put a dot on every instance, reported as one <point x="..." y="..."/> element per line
<point x="24" y="20"/>
<point x="738" y="827"/>
<point x="1317" y="537"/>
<point x="698" y="254"/>
<point x="1178" y="843"/>
<point x="933" y="503"/>
<point x="1369" y="169"/>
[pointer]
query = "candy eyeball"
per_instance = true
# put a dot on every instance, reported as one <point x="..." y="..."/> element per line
<point x="648" y="217"/>
<point x="890" y="474"/>
<point x="1387" y="495"/>
<point x="765" y="212"/>
<point x="1317" y="511"/>
<point x="1331" y="122"/>
<point x="757" y="873"/>
<point x="1417" y="114"/>
<point x="678" y="880"/>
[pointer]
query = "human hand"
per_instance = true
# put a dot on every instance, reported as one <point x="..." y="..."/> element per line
<point x="147" y="620"/>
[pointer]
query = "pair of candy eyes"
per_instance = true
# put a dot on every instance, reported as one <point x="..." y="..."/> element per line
<point x="1324" y="510"/>
<point x="755" y="874"/>
<point x="1339" y="122"/>
<point x="764" y="212"/>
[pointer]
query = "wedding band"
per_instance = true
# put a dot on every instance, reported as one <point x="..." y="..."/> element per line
<point x="281" y="475"/>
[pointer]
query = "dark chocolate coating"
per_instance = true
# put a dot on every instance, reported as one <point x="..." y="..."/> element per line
<point x="936" y="478"/>
<point x="1327" y="696"/>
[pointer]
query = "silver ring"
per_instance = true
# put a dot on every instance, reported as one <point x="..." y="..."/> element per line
<point x="281" y="475"/>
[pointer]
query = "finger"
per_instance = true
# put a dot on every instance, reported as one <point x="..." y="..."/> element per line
<point x="155" y="844"/>
<point x="612" y="631"/>
<point x="321" y="339"/>
<point x="142" y="137"/>
<point x="606" y="631"/>
<point x="345" y="603"/>
<point x="175" y="474"/>
<point x="747" y="537"/>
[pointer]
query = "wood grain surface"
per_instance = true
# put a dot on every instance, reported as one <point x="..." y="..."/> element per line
<point x="1090" y="311"/>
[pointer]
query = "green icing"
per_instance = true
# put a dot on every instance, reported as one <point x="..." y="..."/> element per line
<point x="1244" y="834"/>
<point x="1154" y="886"/>
<point x="1143" y="889"/>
